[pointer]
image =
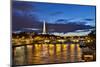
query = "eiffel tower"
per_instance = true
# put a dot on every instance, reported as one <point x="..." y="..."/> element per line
<point x="44" y="27"/>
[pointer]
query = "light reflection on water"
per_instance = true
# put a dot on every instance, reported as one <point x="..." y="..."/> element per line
<point x="47" y="53"/>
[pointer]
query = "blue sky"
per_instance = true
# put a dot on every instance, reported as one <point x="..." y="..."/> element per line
<point x="72" y="13"/>
<point x="27" y="13"/>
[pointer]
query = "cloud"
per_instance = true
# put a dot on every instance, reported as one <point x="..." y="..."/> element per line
<point x="68" y="27"/>
<point x="89" y="19"/>
<point x="77" y="33"/>
<point x="63" y="21"/>
<point x="19" y="22"/>
<point x="31" y="29"/>
<point x="84" y="30"/>
<point x="66" y="21"/>
<point x="23" y="15"/>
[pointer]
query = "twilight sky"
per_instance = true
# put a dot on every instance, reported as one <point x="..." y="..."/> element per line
<point x="31" y="15"/>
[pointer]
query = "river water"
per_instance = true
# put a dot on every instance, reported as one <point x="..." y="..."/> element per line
<point x="47" y="53"/>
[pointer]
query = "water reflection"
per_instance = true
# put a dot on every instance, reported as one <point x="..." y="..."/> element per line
<point x="47" y="53"/>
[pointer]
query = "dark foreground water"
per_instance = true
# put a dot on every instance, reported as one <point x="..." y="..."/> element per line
<point x="47" y="53"/>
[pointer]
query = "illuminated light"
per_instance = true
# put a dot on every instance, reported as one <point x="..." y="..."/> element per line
<point x="36" y="45"/>
<point x="27" y="42"/>
<point x="79" y="52"/>
<point x="91" y="40"/>
<point x="51" y="45"/>
<point x="72" y="52"/>
<point x="39" y="45"/>
<point x="88" y="41"/>
<point x="72" y="49"/>
<point x="18" y="48"/>
<point x="77" y="40"/>
<point x="72" y="45"/>
<point x="29" y="46"/>
<point x="64" y="47"/>
<point x="88" y="57"/>
<point x="46" y="40"/>
<point x="61" y="40"/>
<point x="37" y="53"/>
<point x="78" y="49"/>
<point x="58" y="47"/>
<point x="86" y="37"/>
<point x="73" y="40"/>
<point x="51" y="50"/>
